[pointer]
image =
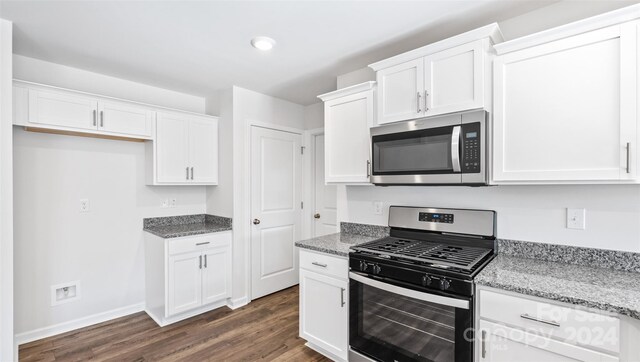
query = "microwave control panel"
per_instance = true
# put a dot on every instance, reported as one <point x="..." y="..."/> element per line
<point x="471" y="161"/>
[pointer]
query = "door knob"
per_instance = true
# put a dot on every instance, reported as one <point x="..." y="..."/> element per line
<point x="316" y="216"/>
<point x="256" y="221"/>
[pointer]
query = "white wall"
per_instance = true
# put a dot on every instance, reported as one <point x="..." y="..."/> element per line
<point x="102" y="249"/>
<point x="314" y="116"/>
<point x="249" y="108"/>
<point x="530" y="213"/>
<point x="220" y="197"/>
<point x="7" y="350"/>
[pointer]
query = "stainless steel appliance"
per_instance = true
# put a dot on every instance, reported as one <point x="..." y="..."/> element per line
<point x="445" y="150"/>
<point x="411" y="293"/>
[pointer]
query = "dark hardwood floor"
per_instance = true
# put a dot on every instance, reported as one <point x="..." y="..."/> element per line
<point x="265" y="329"/>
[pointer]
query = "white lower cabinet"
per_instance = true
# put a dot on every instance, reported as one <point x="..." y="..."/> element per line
<point x="515" y="327"/>
<point x="324" y="304"/>
<point x="186" y="276"/>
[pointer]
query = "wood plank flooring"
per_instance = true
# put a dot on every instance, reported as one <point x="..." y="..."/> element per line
<point x="265" y="329"/>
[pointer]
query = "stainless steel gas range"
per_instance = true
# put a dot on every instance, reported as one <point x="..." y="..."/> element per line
<point x="411" y="293"/>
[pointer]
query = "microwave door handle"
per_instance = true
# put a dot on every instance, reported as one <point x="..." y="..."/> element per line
<point x="455" y="149"/>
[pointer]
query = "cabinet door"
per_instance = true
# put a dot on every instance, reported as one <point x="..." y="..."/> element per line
<point x="498" y="343"/>
<point x="566" y="110"/>
<point x="400" y="91"/>
<point x="323" y="312"/>
<point x="216" y="273"/>
<point x="347" y="139"/>
<point x="454" y="79"/>
<point x="203" y="150"/>
<point x="184" y="290"/>
<point x="124" y="119"/>
<point x="62" y="110"/>
<point x="171" y="149"/>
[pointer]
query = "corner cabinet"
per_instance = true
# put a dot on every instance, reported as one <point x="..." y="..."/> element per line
<point x="448" y="76"/>
<point x="186" y="276"/>
<point x="185" y="150"/>
<point x="324" y="304"/>
<point x="348" y="115"/>
<point x="566" y="105"/>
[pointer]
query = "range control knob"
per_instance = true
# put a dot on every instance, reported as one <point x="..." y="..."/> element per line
<point x="376" y="269"/>
<point x="426" y="280"/>
<point x="363" y="266"/>
<point x="444" y="284"/>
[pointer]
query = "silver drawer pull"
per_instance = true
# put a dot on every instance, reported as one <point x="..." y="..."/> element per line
<point x="551" y="323"/>
<point x="204" y="243"/>
<point x="319" y="264"/>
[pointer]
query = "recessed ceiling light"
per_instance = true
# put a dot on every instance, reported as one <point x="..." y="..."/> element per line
<point x="263" y="43"/>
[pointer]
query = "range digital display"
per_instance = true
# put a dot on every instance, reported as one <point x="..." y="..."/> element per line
<point x="433" y="217"/>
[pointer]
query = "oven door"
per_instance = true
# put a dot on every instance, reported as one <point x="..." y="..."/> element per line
<point x="390" y="322"/>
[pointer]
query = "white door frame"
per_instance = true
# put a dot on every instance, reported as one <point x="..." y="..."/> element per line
<point x="246" y="184"/>
<point x="308" y="165"/>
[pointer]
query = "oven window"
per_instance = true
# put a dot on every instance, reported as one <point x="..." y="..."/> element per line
<point x="389" y="326"/>
<point x="416" y="152"/>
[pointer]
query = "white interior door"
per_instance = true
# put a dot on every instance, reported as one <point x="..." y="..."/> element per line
<point x="276" y="164"/>
<point x="324" y="198"/>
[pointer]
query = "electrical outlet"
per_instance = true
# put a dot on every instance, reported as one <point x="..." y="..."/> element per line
<point x="64" y="293"/>
<point x="576" y="219"/>
<point x="84" y="205"/>
<point x="377" y="207"/>
<point x="173" y="202"/>
<point x="165" y="203"/>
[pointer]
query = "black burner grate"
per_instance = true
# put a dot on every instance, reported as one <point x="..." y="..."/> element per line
<point x="463" y="257"/>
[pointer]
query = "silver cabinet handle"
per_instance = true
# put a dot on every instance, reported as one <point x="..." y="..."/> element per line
<point x="484" y="347"/>
<point x="551" y="323"/>
<point x="256" y="221"/>
<point x="342" y="302"/>
<point x="192" y="173"/>
<point x="418" y="102"/>
<point x="319" y="264"/>
<point x="455" y="149"/>
<point x="426" y="94"/>
<point x="368" y="168"/>
<point x="200" y="258"/>
<point x="187" y="173"/>
<point x="94" y="117"/>
<point x="101" y="118"/>
<point x="205" y="260"/>
<point x="628" y="147"/>
<point x="203" y="243"/>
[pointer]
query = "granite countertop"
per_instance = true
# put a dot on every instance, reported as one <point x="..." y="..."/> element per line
<point x="593" y="287"/>
<point x="186" y="225"/>
<point x="350" y="234"/>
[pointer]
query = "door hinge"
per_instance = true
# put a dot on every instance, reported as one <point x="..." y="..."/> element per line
<point x="302" y="205"/>
<point x="302" y="150"/>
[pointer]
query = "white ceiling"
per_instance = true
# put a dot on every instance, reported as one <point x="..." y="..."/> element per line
<point x="198" y="47"/>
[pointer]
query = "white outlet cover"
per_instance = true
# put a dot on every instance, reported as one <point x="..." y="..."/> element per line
<point x="165" y="203"/>
<point x="85" y="206"/>
<point x="576" y="219"/>
<point x="56" y="295"/>
<point x="173" y="202"/>
<point x="377" y="207"/>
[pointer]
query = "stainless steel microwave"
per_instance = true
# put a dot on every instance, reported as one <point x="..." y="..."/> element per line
<point x="444" y="150"/>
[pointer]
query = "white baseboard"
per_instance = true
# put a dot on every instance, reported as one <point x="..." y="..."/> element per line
<point x="237" y="303"/>
<point x="59" y="328"/>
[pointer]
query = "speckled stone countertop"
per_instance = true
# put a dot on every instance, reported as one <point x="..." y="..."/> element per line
<point x="186" y="225"/>
<point x="589" y="286"/>
<point x="350" y="235"/>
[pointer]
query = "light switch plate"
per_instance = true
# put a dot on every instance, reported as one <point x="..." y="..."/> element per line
<point x="576" y="219"/>
<point x="84" y="205"/>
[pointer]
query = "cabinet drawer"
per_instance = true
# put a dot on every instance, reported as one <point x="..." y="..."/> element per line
<point x="325" y="264"/>
<point x="572" y="325"/>
<point x="200" y="242"/>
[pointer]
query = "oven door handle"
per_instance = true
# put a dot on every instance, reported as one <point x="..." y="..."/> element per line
<point x="455" y="149"/>
<point x="433" y="298"/>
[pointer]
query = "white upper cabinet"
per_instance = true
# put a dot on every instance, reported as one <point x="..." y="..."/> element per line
<point x="566" y="105"/>
<point x="121" y="118"/>
<point x="400" y="91"/>
<point x="62" y="109"/>
<point x="348" y="115"/>
<point x="448" y="76"/>
<point x="185" y="150"/>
